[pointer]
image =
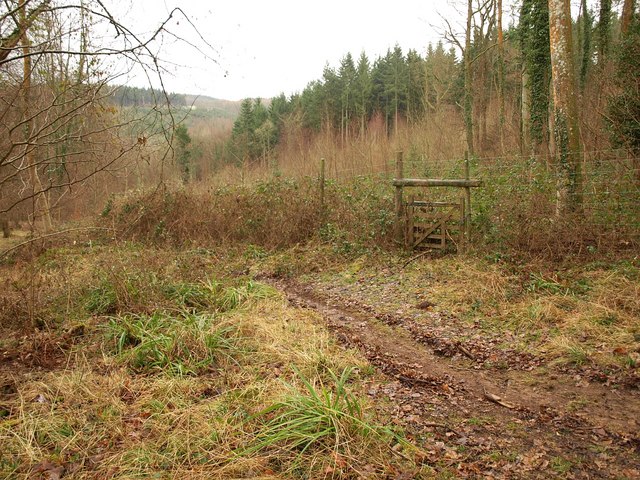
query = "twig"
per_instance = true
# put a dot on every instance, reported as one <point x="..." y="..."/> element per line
<point x="465" y="352"/>
<point x="6" y="252"/>
<point x="422" y="254"/>
<point x="440" y="425"/>
<point x="497" y="400"/>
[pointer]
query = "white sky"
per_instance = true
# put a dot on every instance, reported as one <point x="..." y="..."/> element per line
<point x="263" y="48"/>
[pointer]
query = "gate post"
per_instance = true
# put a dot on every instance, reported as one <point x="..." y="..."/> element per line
<point x="467" y="209"/>
<point x="399" y="225"/>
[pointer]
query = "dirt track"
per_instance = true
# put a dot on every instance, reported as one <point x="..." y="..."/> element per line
<point x="512" y="422"/>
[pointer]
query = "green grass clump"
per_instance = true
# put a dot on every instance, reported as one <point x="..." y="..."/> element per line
<point x="182" y="344"/>
<point x="323" y="418"/>
<point x="212" y="296"/>
<point x="102" y="299"/>
<point x="231" y="298"/>
<point x="193" y="296"/>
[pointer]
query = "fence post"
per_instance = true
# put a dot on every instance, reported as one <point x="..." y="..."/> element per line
<point x="399" y="226"/>
<point x="322" y="180"/>
<point x="467" y="210"/>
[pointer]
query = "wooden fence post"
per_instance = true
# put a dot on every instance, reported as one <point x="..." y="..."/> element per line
<point x="399" y="226"/>
<point x="322" y="181"/>
<point x="467" y="210"/>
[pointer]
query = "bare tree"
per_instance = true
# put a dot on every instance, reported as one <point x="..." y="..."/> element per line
<point x="58" y="124"/>
<point x="468" y="94"/>
<point x="500" y="72"/>
<point x="478" y="33"/>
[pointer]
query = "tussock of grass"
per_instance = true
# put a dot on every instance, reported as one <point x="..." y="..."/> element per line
<point x="322" y="418"/>
<point x="233" y="297"/>
<point x="193" y="296"/>
<point x="178" y="344"/>
<point x="570" y="351"/>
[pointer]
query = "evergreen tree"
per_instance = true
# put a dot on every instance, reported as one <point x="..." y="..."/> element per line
<point x="416" y="85"/>
<point x="241" y="134"/>
<point x="363" y="90"/>
<point x="398" y="84"/>
<point x="252" y="131"/>
<point x="279" y="109"/>
<point x="390" y="86"/>
<point x="332" y="97"/>
<point x="311" y="106"/>
<point x="347" y="82"/>
<point x="380" y="94"/>
<point x="441" y="76"/>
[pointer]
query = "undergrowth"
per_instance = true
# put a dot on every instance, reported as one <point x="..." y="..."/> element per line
<point x="514" y="213"/>
<point x="277" y="213"/>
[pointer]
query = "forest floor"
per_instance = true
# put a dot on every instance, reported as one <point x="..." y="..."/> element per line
<point x="128" y="361"/>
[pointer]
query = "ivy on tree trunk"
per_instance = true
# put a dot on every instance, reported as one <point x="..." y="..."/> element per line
<point x="567" y="135"/>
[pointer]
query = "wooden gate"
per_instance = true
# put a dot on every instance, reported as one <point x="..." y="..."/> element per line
<point x="431" y="224"/>
<point x="434" y="224"/>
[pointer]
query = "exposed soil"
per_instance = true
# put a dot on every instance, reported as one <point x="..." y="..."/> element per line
<point x="521" y="420"/>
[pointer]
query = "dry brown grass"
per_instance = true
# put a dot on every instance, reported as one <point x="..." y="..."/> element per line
<point x="91" y="415"/>
<point x="586" y="313"/>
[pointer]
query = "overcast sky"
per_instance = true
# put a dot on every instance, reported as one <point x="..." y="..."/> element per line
<point x="262" y="48"/>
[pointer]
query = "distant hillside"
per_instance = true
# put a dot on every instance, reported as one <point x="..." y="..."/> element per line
<point x="213" y="106"/>
<point x="126" y="96"/>
<point x="205" y="107"/>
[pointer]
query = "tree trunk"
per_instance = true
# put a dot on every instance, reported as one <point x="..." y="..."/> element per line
<point x="604" y="30"/>
<point x="468" y="113"/>
<point x="627" y="14"/>
<point x="501" y="74"/>
<point x="585" y="44"/>
<point x="37" y="191"/>
<point x="567" y="135"/>
<point x="525" y="108"/>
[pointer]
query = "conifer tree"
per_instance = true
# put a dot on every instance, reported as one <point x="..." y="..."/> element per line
<point x="347" y="76"/>
<point x="416" y="85"/>
<point x="311" y="106"/>
<point x="363" y="91"/>
<point x="183" y="153"/>
<point x="279" y="109"/>
<point x="332" y="97"/>
<point x="397" y="84"/>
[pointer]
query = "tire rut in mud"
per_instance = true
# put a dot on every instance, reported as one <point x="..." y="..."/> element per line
<point x="439" y="394"/>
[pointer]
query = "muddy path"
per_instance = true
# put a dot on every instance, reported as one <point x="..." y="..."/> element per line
<point x="520" y="421"/>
